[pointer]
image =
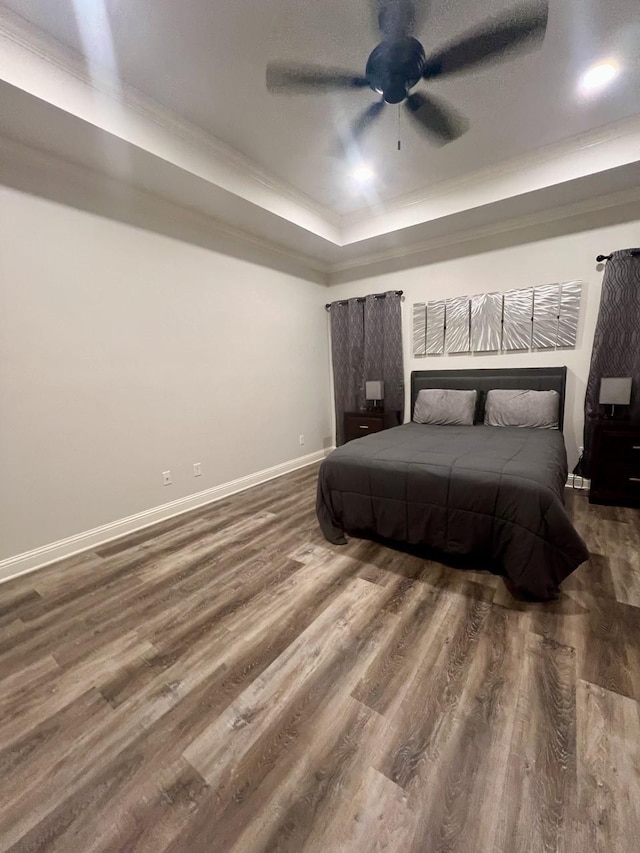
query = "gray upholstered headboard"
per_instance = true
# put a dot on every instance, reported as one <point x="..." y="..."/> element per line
<point x="534" y="378"/>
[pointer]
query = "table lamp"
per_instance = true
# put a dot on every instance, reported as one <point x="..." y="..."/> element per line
<point x="374" y="391"/>
<point x="615" y="391"/>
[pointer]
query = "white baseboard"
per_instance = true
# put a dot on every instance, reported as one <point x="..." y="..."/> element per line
<point x="575" y="481"/>
<point x="29" y="561"/>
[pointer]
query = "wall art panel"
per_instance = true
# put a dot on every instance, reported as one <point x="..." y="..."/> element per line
<point x="419" y="329"/>
<point x="570" y="296"/>
<point x="486" y="322"/>
<point x="546" y="307"/>
<point x="517" y="323"/>
<point x="457" y="325"/>
<point x="435" y="328"/>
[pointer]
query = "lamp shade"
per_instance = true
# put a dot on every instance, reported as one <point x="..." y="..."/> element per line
<point x="374" y="390"/>
<point x="615" y="391"/>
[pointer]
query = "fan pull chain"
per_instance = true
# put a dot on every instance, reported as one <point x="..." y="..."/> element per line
<point x="399" y="131"/>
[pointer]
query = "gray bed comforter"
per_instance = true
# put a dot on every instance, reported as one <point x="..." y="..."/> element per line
<point x="494" y="492"/>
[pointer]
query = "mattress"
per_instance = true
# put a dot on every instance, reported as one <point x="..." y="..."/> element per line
<point x="492" y="492"/>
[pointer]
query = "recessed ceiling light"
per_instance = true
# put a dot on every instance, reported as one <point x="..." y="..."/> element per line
<point x="363" y="174"/>
<point x="598" y="77"/>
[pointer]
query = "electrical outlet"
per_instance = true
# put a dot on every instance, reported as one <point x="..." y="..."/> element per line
<point x="166" y="478"/>
<point x="301" y="440"/>
<point x="197" y="469"/>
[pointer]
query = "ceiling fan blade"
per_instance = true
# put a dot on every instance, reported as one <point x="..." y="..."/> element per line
<point x="310" y="78"/>
<point x="357" y="129"/>
<point x="436" y="118"/>
<point x="365" y="119"/>
<point x="399" y="18"/>
<point x="525" y="25"/>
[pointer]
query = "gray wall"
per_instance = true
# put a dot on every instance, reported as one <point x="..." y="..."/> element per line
<point x="124" y="353"/>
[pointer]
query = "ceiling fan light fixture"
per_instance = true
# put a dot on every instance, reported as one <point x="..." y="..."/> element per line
<point x="598" y="77"/>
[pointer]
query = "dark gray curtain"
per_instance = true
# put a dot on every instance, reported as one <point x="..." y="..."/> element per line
<point x="383" y="352"/>
<point x="347" y="356"/>
<point x="366" y="344"/>
<point x="616" y="345"/>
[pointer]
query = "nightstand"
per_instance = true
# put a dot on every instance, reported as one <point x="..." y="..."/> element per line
<point x="357" y="424"/>
<point x="615" y="463"/>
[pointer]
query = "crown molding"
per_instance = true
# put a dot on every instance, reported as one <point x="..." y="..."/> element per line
<point x="19" y="32"/>
<point x="516" y="165"/>
<point x="569" y="211"/>
<point x="17" y="159"/>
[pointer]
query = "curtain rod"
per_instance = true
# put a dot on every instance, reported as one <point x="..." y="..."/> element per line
<point x="362" y="298"/>
<point x="601" y="258"/>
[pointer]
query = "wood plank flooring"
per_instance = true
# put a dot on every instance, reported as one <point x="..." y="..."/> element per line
<point x="229" y="681"/>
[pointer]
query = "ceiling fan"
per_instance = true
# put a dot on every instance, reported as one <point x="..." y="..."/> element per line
<point x="399" y="63"/>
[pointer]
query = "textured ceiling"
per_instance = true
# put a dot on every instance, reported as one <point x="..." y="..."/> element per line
<point x="205" y="61"/>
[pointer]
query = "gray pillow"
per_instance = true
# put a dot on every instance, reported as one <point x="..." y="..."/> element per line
<point x="442" y="406"/>
<point x="537" y="409"/>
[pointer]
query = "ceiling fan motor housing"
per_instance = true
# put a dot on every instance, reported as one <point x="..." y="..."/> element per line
<point x="395" y="67"/>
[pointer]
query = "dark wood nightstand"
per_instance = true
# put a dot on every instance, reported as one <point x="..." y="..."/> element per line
<point x="357" y="424"/>
<point x="615" y="464"/>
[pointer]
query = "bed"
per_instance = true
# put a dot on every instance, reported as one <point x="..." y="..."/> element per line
<point x="491" y="493"/>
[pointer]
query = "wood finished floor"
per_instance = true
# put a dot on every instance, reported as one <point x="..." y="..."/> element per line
<point x="228" y="681"/>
